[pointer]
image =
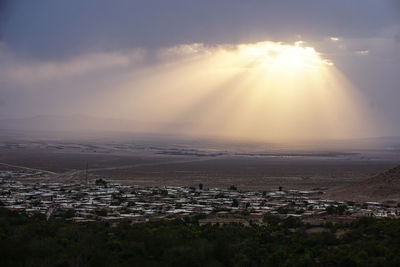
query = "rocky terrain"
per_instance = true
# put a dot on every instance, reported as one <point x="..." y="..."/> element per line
<point x="382" y="187"/>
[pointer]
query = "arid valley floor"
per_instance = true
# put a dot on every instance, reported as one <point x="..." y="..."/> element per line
<point x="178" y="164"/>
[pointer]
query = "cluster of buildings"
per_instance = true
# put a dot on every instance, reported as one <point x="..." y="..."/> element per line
<point x="20" y="173"/>
<point x="110" y="202"/>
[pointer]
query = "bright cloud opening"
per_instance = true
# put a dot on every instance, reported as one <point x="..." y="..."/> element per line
<point x="265" y="91"/>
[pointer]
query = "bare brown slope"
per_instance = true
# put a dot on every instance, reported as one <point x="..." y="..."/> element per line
<point x="382" y="187"/>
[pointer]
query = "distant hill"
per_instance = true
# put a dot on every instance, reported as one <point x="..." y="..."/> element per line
<point x="83" y="123"/>
<point x="87" y="127"/>
<point x="65" y="123"/>
<point x="390" y="177"/>
<point x="382" y="187"/>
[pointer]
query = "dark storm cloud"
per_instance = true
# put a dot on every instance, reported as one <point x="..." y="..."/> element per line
<point x="396" y="5"/>
<point x="50" y="29"/>
<point x="4" y="4"/>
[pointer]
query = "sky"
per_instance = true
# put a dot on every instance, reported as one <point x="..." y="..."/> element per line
<point x="229" y="68"/>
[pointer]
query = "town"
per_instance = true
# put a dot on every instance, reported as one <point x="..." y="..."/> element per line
<point x="103" y="200"/>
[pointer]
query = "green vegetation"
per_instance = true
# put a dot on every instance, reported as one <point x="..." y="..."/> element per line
<point x="33" y="241"/>
<point x="161" y="192"/>
<point x="101" y="182"/>
<point x="232" y="188"/>
<point x="220" y="195"/>
<point x="340" y="210"/>
<point x="101" y="212"/>
<point x="235" y="203"/>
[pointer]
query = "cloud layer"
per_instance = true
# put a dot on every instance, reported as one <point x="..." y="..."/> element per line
<point x="131" y="59"/>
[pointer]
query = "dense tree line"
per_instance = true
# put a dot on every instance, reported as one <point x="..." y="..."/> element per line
<point x="33" y="241"/>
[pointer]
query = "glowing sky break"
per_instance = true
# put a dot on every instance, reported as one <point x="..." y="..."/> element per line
<point x="255" y="70"/>
<point x="263" y="91"/>
<point x="260" y="91"/>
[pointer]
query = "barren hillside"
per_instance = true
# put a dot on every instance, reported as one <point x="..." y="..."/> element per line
<point x="382" y="187"/>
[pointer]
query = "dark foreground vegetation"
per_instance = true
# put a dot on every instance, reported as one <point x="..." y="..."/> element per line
<point x="33" y="241"/>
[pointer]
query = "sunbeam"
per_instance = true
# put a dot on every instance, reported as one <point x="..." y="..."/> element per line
<point x="261" y="91"/>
